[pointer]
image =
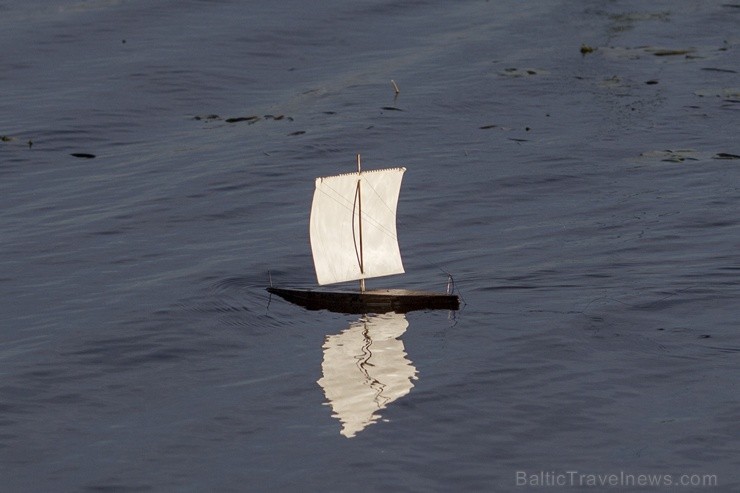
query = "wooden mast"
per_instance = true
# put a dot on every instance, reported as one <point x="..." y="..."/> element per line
<point x="359" y="222"/>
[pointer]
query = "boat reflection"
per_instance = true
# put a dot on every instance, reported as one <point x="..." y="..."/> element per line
<point x="364" y="369"/>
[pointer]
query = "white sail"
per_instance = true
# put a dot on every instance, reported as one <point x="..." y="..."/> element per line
<point x="336" y="226"/>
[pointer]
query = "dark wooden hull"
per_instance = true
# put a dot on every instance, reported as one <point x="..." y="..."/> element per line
<point x="374" y="301"/>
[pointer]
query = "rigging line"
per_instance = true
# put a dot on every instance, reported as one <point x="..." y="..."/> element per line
<point x="380" y="198"/>
<point x="390" y="210"/>
<point x="336" y="197"/>
<point x="339" y="199"/>
<point x="386" y="231"/>
<point x="427" y="259"/>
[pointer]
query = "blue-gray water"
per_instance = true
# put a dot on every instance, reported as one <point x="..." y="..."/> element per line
<point x="586" y="203"/>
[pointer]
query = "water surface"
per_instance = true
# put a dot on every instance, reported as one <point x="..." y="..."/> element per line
<point x="587" y="205"/>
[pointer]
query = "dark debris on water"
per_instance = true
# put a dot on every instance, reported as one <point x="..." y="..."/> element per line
<point x="670" y="52"/>
<point x="725" y="155"/>
<point x="8" y="139"/>
<point x="250" y="119"/>
<point x="237" y="119"/>
<point x="681" y="155"/>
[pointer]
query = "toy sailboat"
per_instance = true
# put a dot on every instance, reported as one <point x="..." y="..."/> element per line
<point x="353" y="237"/>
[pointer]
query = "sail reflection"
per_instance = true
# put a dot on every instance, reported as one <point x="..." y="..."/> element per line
<point x="364" y="369"/>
